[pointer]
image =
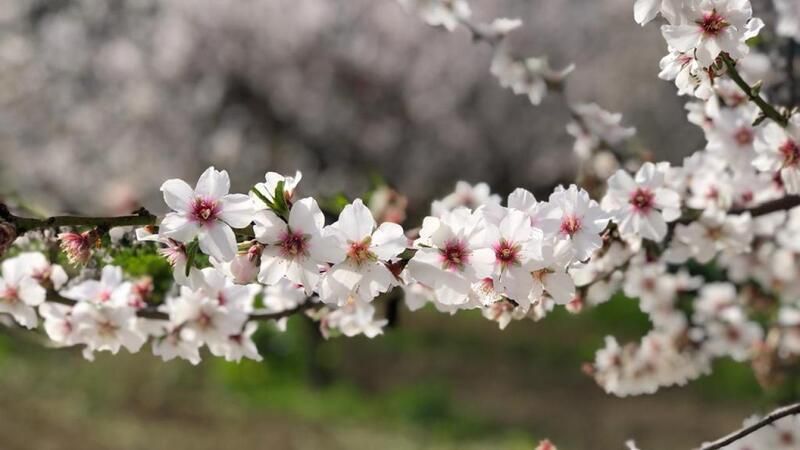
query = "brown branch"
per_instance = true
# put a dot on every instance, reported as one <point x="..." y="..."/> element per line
<point x="22" y="225"/>
<point x="767" y="420"/>
<point x="782" y="204"/>
<point x="150" y="312"/>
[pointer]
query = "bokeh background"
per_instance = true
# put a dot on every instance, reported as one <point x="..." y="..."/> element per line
<point x="100" y="101"/>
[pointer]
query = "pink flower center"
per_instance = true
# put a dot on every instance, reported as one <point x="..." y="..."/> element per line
<point x="791" y="153"/>
<point x="454" y="255"/>
<point x="743" y="136"/>
<point x="712" y="23"/>
<point x="11" y="293"/>
<point x="570" y="225"/>
<point x="294" y="244"/>
<point x="507" y="253"/>
<point x="107" y="328"/>
<point x="104" y="296"/>
<point x="642" y="200"/>
<point x="205" y="210"/>
<point x="359" y="252"/>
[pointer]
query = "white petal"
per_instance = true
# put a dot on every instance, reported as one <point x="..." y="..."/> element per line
<point x="218" y="240"/>
<point x="178" y="195"/>
<point x="645" y="10"/>
<point x="268" y="228"/>
<point x="388" y="241"/>
<point x="178" y="227"/>
<point x="31" y="293"/>
<point x="560" y="287"/>
<point x="213" y="183"/>
<point x="237" y="210"/>
<point x="306" y="217"/>
<point x="356" y="221"/>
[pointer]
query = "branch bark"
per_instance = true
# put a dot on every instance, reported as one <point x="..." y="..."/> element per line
<point x="141" y="217"/>
<point x="782" y="204"/>
<point x="153" y="313"/>
<point x="746" y="431"/>
<point x="752" y="93"/>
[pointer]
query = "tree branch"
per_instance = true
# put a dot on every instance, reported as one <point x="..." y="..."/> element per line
<point x="140" y="217"/>
<point x="752" y="93"/>
<point x="782" y="204"/>
<point x="767" y="420"/>
<point x="151" y="312"/>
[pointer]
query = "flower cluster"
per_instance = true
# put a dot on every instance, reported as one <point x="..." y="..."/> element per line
<point x="707" y="248"/>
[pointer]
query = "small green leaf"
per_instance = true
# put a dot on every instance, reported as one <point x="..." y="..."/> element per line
<point x="191" y="254"/>
<point x="263" y="198"/>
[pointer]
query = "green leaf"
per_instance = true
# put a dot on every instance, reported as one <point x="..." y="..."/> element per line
<point x="263" y="198"/>
<point x="191" y="254"/>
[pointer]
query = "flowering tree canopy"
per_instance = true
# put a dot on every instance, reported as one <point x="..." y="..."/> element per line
<point x="708" y="247"/>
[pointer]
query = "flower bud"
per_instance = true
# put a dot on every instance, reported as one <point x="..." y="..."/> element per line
<point x="8" y="234"/>
<point x="244" y="268"/>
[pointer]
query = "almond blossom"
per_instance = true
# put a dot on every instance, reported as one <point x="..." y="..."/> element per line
<point x="575" y="218"/>
<point x="207" y="212"/>
<point x="111" y="288"/>
<point x="368" y="248"/>
<point x="20" y="292"/>
<point x="295" y="250"/>
<point x="708" y="27"/>
<point x="452" y="254"/>
<point x="779" y="151"/>
<point x="642" y="206"/>
<point x="514" y="243"/>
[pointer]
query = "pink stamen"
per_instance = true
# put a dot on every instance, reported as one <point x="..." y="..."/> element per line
<point x="712" y="23"/>
<point x="743" y="136"/>
<point x="570" y="225"/>
<point x="506" y="253"/>
<point x="294" y="244"/>
<point x="642" y="200"/>
<point x="205" y="210"/>
<point x="791" y="153"/>
<point x="454" y="255"/>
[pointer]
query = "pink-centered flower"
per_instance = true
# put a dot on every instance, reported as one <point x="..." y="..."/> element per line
<point x="19" y="292"/>
<point x="207" y="212"/>
<point x="778" y="151"/>
<point x="368" y="248"/>
<point x="514" y="243"/>
<point x="576" y="219"/>
<point x="707" y="28"/>
<point x="642" y="206"/>
<point x="452" y="254"/>
<point x="295" y="250"/>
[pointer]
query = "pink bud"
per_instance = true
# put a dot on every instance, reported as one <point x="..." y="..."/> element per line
<point x="244" y="269"/>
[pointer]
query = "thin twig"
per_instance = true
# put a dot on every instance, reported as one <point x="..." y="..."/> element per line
<point x="767" y="420"/>
<point x="752" y="93"/>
